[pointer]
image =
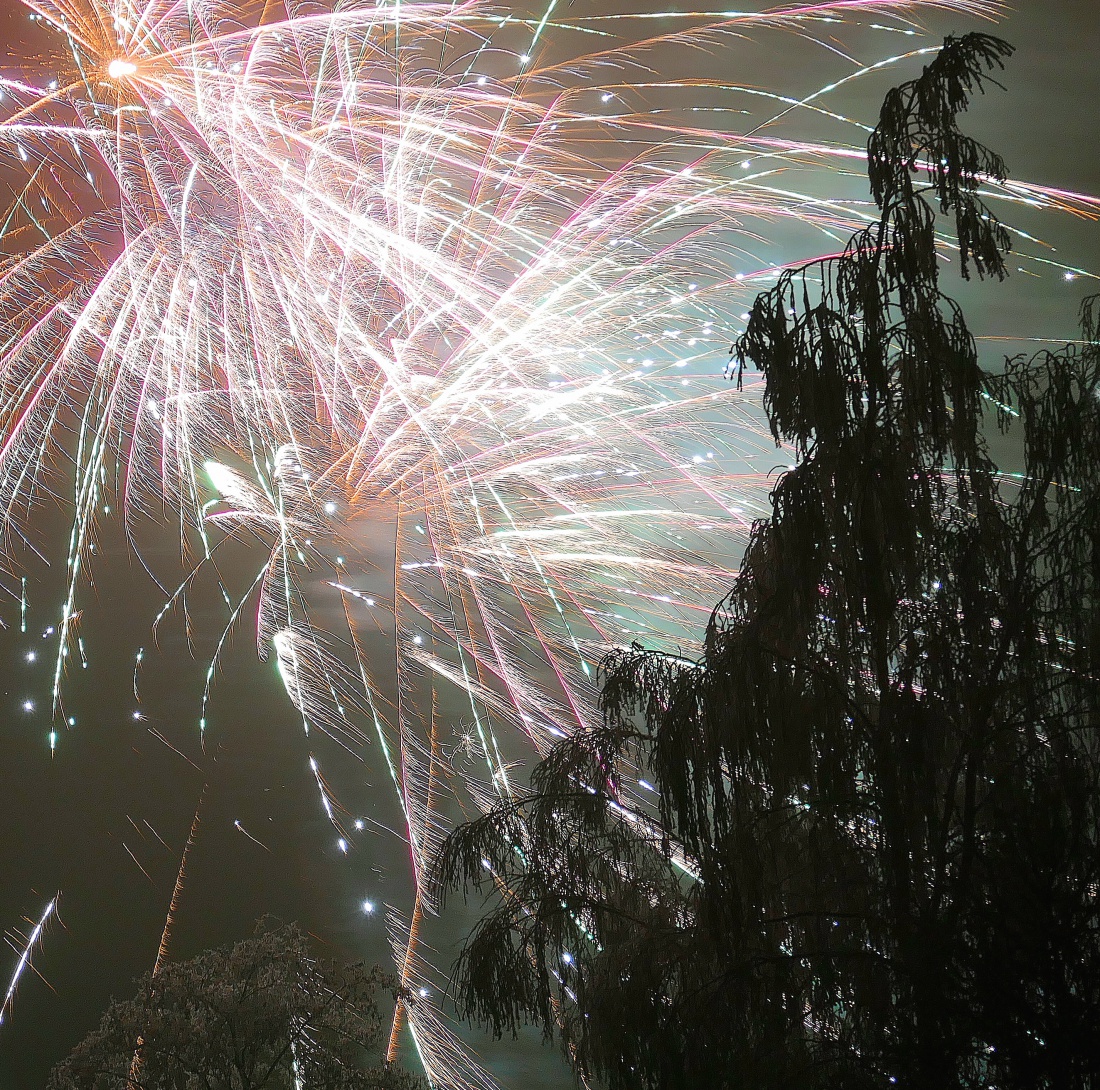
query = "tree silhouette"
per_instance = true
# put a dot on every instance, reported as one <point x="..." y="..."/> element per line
<point x="261" y="1015"/>
<point x="872" y="859"/>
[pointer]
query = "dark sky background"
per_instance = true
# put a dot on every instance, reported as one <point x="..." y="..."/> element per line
<point x="70" y="822"/>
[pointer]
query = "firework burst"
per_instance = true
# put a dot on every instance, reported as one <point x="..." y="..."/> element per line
<point x="433" y="298"/>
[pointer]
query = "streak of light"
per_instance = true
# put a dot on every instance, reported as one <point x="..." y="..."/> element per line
<point x="25" y="957"/>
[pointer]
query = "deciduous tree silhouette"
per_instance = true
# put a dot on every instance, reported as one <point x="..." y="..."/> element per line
<point x="873" y="857"/>
<point x="261" y="1015"/>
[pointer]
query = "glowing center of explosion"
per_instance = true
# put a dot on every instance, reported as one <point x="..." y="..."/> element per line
<point x="119" y="68"/>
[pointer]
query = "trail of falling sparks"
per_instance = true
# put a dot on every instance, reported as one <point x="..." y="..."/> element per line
<point x="241" y="829"/>
<point x="25" y="957"/>
<point x="169" y="921"/>
<point x="177" y="889"/>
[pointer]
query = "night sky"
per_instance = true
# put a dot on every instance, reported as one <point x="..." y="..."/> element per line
<point x="70" y="823"/>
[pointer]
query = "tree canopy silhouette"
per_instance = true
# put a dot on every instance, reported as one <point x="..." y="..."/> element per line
<point x="871" y="858"/>
<point x="264" y="1014"/>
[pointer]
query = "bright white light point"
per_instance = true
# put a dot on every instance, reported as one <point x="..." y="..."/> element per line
<point x="524" y="58"/>
<point x="359" y="824"/>
<point x="746" y="164"/>
<point x="136" y="715"/>
<point x="342" y="844"/>
<point x="368" y="907"/>
<point x="120" y="69"/>
<point x="28" y="705"/>
<point x="340" y="560"/>
<point x="72" y="721"/>
<point x="1070" y="276"/>
<point x="605" y="98"/>
<point x="31" y="656"/>
<point x="482" y="80"/>
<point x="423" y="993"/>
<point x="418" y="640"/>
<point x="330" y="508"/>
